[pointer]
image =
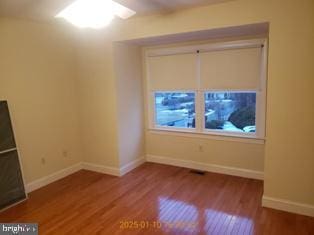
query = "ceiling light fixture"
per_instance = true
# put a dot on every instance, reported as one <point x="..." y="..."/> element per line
<point x="94" y="13"/>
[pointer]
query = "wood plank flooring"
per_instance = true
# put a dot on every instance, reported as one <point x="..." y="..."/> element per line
<point x="154" y="199"/>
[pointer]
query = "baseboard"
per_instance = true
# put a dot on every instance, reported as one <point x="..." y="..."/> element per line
<point x="101" y="168"/>
<point x="289" y="206"/>
<point x="36" y="184"/>
<point x="270" y="202"/>
<point x="207" y="167"/>
<point x="13" y="205"/>
<point x="130" y="166"/>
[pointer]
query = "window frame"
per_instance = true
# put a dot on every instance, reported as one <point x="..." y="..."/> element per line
<point x="260" y="113"/>
<point x="231" y="133"/>
<point x="158" y="127"/>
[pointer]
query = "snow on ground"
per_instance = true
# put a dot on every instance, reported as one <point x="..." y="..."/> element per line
<point x="183" y="111"/>
<point x="228" y="126"/>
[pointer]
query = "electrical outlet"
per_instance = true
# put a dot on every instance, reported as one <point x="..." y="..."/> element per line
<point x="43" y="161"/>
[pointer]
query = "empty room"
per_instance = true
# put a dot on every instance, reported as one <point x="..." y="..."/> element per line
<point x="157" y="117"/>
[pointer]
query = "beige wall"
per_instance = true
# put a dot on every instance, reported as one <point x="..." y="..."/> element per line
<point x="248" y="155"/>
<point x="97" y="99"/>
<point x="38" y="78"/>
<point x="110" y="97"/>
<point x="289" y="158"/>
<point x="130" y="108"/>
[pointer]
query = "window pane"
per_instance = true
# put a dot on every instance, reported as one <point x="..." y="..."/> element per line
<point x="175" y="109"/>
<point x="230" y="111"/>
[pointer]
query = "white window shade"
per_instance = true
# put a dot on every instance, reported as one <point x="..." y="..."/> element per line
<point x="172" y="72"/>
<point x="232" y="69"/>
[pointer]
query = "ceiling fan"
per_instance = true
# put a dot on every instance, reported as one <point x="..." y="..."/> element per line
<point x="94" y="13"/>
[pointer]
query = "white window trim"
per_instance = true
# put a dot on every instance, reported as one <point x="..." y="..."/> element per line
<point x="199" y="130"/>
<point x="256" y="134"/>
<point x="201" y="135"/>
<point x="153" y="112"/>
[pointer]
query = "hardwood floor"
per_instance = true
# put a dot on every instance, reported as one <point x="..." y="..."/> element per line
<point x="154" y="199"/>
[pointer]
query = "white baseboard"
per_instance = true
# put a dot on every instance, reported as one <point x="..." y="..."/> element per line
<point x="207" y="167"/>
<point x="101" y="168"/>
<point x="36" y="184"/>
<point x="289" y="206"/>
<point x="130" y="166"/>
<point x="275" y="203"/>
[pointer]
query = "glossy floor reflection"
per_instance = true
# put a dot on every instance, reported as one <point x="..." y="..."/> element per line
<point x="177" y="216"/>
<point x="155" y="199"/>
<point x="183" y="218"/>
<point x="232" y="224"/>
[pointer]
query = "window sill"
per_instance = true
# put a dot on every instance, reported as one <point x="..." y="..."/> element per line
<point x="208" y="135"/>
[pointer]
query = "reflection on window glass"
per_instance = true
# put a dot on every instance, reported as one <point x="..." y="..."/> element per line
<point x="175" y="109"/>
<point x="230" y="111"/>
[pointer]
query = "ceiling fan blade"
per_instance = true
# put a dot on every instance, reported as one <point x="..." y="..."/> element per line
<point x="122" y="11"/>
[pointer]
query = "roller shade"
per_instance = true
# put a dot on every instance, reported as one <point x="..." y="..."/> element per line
<point x="172" y="72"/>
<point x="237" y="69"/>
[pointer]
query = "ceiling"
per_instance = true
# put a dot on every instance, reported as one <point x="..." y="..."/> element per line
<point x="151" y="6"/>
<point x="46" y="9"/>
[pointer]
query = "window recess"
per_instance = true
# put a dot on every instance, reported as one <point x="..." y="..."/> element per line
<point x="217" y="89"/>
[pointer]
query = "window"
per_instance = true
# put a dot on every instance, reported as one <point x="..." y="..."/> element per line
<point x="175" y="109"/>
<point x="217" y="89"/>
<point x="230" y="111"/>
